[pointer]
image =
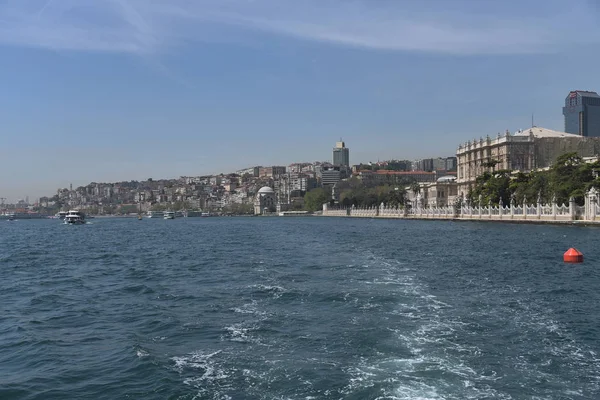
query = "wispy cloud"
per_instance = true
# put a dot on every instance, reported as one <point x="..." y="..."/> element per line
<point x="152" y="26"/>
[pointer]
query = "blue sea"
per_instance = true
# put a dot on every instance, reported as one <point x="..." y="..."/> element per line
<point x="297" y="308"/>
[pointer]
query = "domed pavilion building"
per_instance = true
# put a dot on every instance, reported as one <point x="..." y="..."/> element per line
<point x="265" y="201"/>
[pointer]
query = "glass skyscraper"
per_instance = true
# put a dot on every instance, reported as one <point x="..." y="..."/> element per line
<point x="582" y="113"/>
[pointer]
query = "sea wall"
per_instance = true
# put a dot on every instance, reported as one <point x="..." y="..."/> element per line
<point x="552" y="212"/>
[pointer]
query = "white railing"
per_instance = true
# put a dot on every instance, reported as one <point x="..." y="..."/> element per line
<point x="562" y="210"/>
<point x="548" y="212"/>
<point x="518" y="210"/>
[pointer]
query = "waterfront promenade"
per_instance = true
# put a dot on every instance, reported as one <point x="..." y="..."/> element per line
<point x="525" y="213"/>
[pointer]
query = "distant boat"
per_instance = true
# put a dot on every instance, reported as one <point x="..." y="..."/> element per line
<point x="154" y="214"/>
<point x="74" y="217"/>
<point x="169" y="215"/>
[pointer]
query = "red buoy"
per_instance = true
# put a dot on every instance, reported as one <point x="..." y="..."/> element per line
<point x="573" y="256"/>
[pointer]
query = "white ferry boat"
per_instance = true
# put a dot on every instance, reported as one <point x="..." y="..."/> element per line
<point x="154" y="214"/>
<point x="61" y="214"/>
<point x="74" y="217"/>
<point x="169" y="215"/>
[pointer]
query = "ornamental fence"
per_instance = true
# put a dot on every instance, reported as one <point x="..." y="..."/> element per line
<point x="590" y="211"/>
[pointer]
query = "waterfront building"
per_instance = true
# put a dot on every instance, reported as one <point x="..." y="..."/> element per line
<point x="265" y="201"/>
<point x="582" y="113"/>
<point x="441" y="193"/>
<point x="341" y="154"/>
<point x="525" y="151"/>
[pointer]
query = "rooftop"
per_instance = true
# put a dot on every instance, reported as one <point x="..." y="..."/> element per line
<point x="266" y="189"/>
<point x="584" y="93"/>
<point x="540" y="132"/>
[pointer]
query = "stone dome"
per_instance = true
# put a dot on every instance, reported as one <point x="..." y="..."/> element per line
<point x="265" y="190"/>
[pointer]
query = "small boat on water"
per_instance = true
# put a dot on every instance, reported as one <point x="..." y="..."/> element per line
<point x="74" y="217"/>
<point x="169" y="215"/>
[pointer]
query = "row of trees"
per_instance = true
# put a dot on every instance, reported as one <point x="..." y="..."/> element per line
<point x="569" y="177"/>
<point x="354" y="193"/>
<point x="369" y="197"/>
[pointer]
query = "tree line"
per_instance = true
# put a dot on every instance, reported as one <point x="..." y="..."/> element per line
<point x="354" y="192"/>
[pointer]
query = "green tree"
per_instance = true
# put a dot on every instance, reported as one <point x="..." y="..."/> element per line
<point x="492" y="187"/>
<point x="239" y="209"/>
<point x="314" y="199"/>
<point x="415" y="188"/>
<point x="568" y="177"/>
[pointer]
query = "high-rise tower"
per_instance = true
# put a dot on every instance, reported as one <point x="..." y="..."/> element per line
<point x="341" y="154"/>
<point x="582" y="113"/>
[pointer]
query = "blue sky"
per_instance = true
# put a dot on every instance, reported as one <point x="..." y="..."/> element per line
<point x="108" y="90"/>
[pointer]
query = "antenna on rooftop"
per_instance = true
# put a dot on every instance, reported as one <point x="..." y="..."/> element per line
<point x="532" y="124"/>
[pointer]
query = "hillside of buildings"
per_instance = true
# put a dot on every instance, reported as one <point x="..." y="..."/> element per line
<point x="299" y="186"/>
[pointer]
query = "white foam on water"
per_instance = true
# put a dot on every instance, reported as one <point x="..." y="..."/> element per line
<point x="438" y="339"/>
<point x="193" y="360"/>
<point x="553" y="340"/>
<point x="205" y="373"/>
<point x="439" y="367"/>
<point x="249" y="308"/>
<point x="274" y="290"/>
<point x="238" y="333"/>
<point x="142" y="353"/>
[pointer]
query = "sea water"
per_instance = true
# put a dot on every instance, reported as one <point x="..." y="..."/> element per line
<point x="297" y="308"/>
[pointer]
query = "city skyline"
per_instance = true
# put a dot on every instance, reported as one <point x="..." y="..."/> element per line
<point x="118" y="90"/>
<point x="417" y="163"/>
